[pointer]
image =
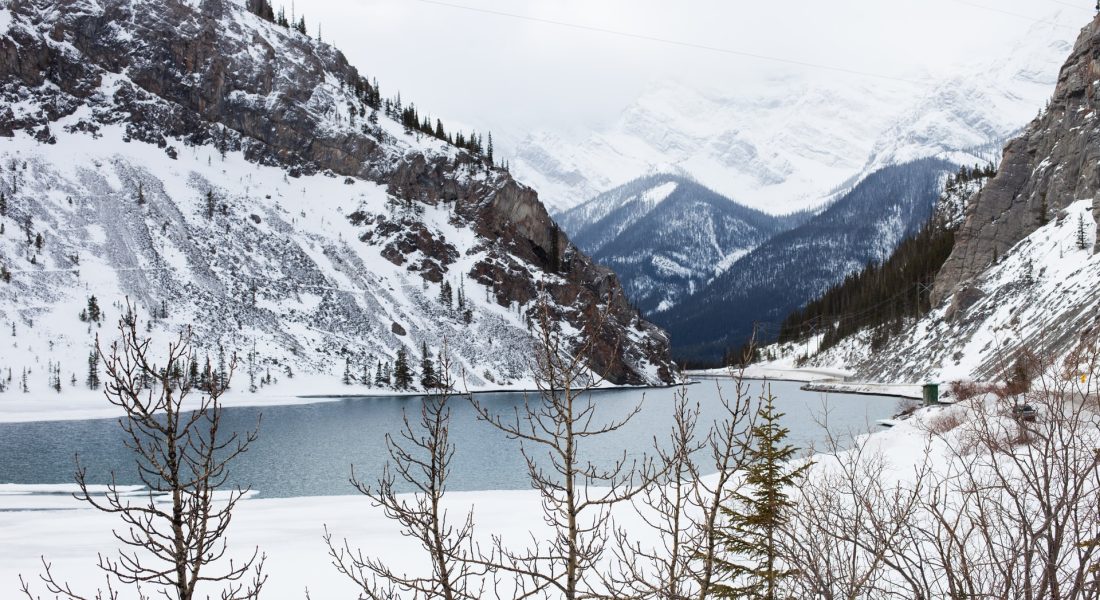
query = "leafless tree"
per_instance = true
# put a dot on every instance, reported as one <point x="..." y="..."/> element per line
<point x="1003" y="503"/>
<point x="577" y="494"/>
<point x="421" y="457"/>
<point x="849" y="538"/>
<point x="176" y="535"/>
<point x="681" y="510"/>
<point x="1014" y="513"/>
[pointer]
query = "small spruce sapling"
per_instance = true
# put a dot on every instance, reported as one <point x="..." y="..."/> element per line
<point x="753" y="567"/>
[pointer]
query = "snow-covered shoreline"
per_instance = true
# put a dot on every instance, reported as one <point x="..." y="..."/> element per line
<point x="818" y="380"/>
<point x="41" y="521"/>
<point x="85" y="404"/>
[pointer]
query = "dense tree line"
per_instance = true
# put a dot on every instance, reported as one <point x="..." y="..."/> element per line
<point x="881" y="296"/>
<point x="367" y="91"/>
<point x="884" y="294"/>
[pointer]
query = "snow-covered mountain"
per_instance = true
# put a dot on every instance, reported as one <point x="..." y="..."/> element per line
<point x="788" y="270"/>
<point x="225" y="172"/>
<point x="1022" y="281"/>
<point x="795" y="142"/>
<point x="666" y="236"/>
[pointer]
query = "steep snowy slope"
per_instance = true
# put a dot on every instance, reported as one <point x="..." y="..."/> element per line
<point x="1023" y="274"/>
<point x="795" y="142"/>
<point x="1043" y="295"/>
<point x="667" y="236"/>
<point x="796" y="266"/>
<point x="228" y="173"/>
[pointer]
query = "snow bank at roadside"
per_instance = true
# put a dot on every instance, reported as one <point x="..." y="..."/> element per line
<point x="816" y="379"/>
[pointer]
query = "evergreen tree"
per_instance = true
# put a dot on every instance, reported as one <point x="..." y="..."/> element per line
<point x="1082" y="241"/>
<point x="55" y="377"/>
<point x="428" y="379"/>
<point x="262" y="9"/>
<point x="753" y="568"/>
<point x="555" y="250"/>
<point x="92" y="312"/>
<point x="379" y="381"/>
<point x="365" y="376"/>
<point x="221" y="378"/>
<point x="206" y="380"/>
<point x="193" y="371"/>
<point x="402" y="375"/>
<point x="93" y="370"/>
<point x="346" y="379"/>
<point x="3" y="205"/>
<point x="211" y="205"/>
<point x="446" y="295"/>
<point x="140" y="194"/>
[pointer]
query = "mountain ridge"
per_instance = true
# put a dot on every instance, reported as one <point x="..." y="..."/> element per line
<point x="667" y="236"/>
<point x="195" y="128"/>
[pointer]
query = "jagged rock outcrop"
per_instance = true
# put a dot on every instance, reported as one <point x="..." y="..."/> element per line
<point x="179" y="75"/>
<point x="1054" y="163"/>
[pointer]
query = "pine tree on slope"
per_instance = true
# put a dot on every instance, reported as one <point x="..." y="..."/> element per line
<point x="402" y="376"/>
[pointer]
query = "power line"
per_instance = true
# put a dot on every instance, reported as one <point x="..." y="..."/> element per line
<point x="1072" y="5"/>
<point x="730" y="51"/>
<point x="671" y="42"/>
<point x="1016" y="14"/>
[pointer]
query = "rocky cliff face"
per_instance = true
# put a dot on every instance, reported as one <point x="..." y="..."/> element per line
<point x="177" y="77"/>
<point x="1053" y="164"/>
<point x="1024" y="274"/>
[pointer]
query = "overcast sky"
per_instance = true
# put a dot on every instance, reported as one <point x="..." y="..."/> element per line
<point x="493" y="71"/>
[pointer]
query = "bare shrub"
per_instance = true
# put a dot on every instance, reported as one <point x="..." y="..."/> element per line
<point x="420" y="455"/>
<point x="945" y="421"/>
<point x="963" y="390"/>
<point x="181" y="455"/>
<point x="681" y="512"/>
<point x="578" y="494"/>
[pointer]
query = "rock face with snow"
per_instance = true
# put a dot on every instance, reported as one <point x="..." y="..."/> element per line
<point x="1052" y="165"/>
<point x="224" y="171"/>
<point x="666" y="236"/>
<point x="1042" y="296"/>
<point x="1020" y="279"/>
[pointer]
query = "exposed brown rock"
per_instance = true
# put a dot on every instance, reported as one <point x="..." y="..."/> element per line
<point x="196" y="78"/>
<point x="1056" y="159"/>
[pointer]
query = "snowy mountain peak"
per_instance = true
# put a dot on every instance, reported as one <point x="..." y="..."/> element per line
<point x="794" y="142"/>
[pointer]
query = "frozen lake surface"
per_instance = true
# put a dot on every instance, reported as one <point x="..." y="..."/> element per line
<point x="308" y="449"/>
